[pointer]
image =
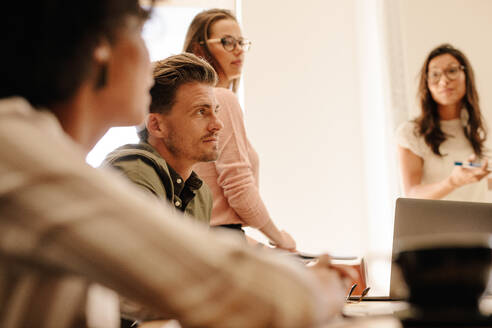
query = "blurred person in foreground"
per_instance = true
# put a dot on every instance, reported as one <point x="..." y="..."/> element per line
<point x="73" y="236"/>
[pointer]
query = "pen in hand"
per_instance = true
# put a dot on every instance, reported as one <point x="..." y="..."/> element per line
<point x="471" y="165"/>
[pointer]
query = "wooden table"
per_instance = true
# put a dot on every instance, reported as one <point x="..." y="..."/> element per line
<point x="366" y="314"/>
<point x="373" y="322"/>
<point x="369" y="314"/>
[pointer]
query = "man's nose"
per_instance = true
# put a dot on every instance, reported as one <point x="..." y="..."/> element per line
<point x="216" y="124"/>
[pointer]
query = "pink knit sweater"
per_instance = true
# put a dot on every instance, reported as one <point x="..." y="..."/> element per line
<point x="233" y="178"/>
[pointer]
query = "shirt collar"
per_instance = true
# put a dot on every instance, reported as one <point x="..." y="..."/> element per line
<point x="193" y="182"/>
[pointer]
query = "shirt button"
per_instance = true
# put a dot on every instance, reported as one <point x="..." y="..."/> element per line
<point x="179" y="180"/>
<point x="177" y="203"/>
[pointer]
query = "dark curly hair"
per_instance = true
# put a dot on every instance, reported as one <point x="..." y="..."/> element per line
<point x="47" y="45"/>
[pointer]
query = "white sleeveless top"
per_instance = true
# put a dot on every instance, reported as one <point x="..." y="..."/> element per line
<point x="436" y="168"/>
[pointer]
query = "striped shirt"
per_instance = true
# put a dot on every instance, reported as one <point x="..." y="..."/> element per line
<point x="66" y="229"/>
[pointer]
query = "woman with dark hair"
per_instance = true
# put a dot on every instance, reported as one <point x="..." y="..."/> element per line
<point x="449" y="129"/>
<point x="216" y="36"/>
<point x="71" y="70"/>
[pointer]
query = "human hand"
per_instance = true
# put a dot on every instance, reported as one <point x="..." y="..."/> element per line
<point x="287" y="242"/>
<point x="255" y="243"/>
<point x="336" y="279"/>
<point x="461" y="176"/>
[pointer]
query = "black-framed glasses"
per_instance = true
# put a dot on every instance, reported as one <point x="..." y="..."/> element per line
<point x="229" y="43"/>
<point x="452" y="73"/>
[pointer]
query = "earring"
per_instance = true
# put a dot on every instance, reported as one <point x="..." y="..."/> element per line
<point x="101" y="56"/>
<point x="101" y="53"/>
<point x="103" y="76"/>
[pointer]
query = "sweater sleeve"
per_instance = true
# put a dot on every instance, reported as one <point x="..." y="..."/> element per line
<point x="234" y="166"/>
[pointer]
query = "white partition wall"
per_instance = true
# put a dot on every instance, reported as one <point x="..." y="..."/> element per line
<point x="302" y="115"/>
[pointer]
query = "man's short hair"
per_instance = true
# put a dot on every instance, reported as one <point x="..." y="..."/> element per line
<point x="169" y="75"/>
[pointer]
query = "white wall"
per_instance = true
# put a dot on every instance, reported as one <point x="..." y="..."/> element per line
<point x="302" y="116"/>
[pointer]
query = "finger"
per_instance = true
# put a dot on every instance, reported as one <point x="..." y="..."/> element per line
<point x="324" y="260"/>
<point x="480" y="173"/>
<point x="348" y="282"/>
<point x="346" y="272"/>
<point x="483" y="175"/>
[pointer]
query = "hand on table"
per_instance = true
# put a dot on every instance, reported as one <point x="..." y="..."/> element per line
<point x="334" y="282"/>
<point x="288" y="243"/>
<point x="332" y="275"/>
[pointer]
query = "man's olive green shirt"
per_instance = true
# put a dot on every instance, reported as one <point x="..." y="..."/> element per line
<point x="143" y="165"/>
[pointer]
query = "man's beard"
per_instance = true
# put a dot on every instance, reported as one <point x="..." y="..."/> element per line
<point x="172" y="143"/>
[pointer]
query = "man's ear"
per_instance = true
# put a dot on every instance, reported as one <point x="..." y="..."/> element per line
<point x="155" y="125"/>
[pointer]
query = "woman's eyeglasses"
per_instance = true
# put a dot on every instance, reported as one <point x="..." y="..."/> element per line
<point x="229" y="43"/>
<point x="452" y="73"/>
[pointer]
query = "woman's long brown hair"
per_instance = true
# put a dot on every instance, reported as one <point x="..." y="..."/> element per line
<point x="199" y="32"/>
<point x="428" y="123"/>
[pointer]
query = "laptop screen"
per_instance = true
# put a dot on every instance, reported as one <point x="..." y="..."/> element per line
<point x="414" y="217"/>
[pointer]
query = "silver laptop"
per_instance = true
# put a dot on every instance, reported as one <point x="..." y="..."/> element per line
<point x="415" y="217"/>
